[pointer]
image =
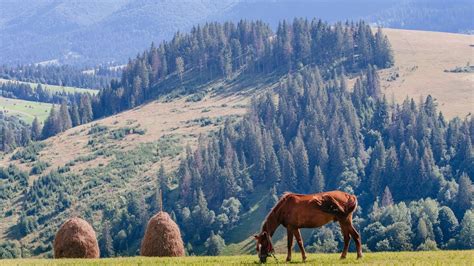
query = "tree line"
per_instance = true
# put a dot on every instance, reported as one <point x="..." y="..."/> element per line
<point x="62" y="75"/>
<point x="211" y="51"/>
<point x="72" y="111"/>
<point x="223" y="50"/>
<point x="26" y="92"/>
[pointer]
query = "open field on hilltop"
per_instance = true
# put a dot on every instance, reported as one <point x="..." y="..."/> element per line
<point x="421" y="58"/>
<point x="53" y="88"/>
<point x="382" y="258"/>
<point x="26" y="110"/>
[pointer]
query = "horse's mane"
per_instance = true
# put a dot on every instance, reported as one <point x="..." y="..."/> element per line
<point x="277" y="206"/>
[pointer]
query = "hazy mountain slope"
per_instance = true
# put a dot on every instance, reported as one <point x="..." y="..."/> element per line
<point x="431" y="15"/>
<point x="100" y="31"/>
<point x="94" y="31"/>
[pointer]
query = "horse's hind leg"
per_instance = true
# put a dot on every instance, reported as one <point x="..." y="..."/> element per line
<point x="299" y="240"/>
<point x="290" y="243"/>
<point x="345" y="228"/>
<point x="356" y="237"/>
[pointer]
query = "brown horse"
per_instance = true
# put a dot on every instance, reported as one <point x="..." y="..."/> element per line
<point x="295" y="211"/>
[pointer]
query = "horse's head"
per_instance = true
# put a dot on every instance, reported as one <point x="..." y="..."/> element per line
<point x="264" y="246"/>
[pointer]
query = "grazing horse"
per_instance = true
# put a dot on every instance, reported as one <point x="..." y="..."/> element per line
<point x="295" y="211"/>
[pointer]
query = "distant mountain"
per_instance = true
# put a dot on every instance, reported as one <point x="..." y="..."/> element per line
<point x="91" y="32"/>
<point x="430" y="15"/>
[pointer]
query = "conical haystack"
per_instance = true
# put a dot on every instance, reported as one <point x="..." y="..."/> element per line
<point x="162" y="237"/>
<point x="76" y="239"/>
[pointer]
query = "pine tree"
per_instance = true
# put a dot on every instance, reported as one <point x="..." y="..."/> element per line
<point x="387" y="199"/>
<point x="74" y="113"/>
<point x="448" y="223"/>
<point x="8" y="140"/>
<point x="52" y="125"/>
<point x="64" y="117"/>
<point x="318" y="180"/>
<point x="300" y="156"/>
<point x="466" y="234"/>
<point x="25" y="136"/>
<point x="180" y="67"/>
<point x="465" y="195"/>
<point x="85" y="109"/>
<point x="35" y="129"/>
<point x="107" y="248"/>
<point x="214" y="244"/>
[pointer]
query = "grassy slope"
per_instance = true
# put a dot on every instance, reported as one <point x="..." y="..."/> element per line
<point x="420" y="60"/>
<point x="26" y="110"/>
<point x="54" y="88"/>
<point x="179" y="118"/>
<point x="382" y="258"/>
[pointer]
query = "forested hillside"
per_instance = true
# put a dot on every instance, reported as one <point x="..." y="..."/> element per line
<point x="409" y="166"/>
<point x="305" y="130"/>
<point x="247" y="48"/>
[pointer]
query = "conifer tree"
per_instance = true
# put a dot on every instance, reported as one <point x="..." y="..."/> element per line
<point x="387" y="199"/>
<point x="318" y="180"/>
<point x="106" y="242"/>
<point x="465" y="195"/>
<point x="35" y="129"/>
<point x="74" y="113"/>
<point x="64" y="117"/>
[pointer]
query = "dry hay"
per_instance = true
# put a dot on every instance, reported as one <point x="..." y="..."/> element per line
<point x="162" y="237"/>
<point x="76" y="239"/>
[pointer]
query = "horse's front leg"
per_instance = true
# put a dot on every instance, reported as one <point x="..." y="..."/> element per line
<point x="290" y="243"/>
<point x="299" y="240"/>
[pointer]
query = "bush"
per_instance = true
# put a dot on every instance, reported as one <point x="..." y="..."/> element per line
<point x="214" y="244"/>
<point x="428" y="245"/>
<point x="10" y="250"/>
<point x="30" y="153"/>
<point x="39" y="167"/>
<point x="96" y="128"/>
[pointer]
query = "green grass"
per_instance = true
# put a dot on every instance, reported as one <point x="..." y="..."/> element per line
<point x="25" y="110"/>
<point x="382" y="258"/>
<point x="54" y="88"/>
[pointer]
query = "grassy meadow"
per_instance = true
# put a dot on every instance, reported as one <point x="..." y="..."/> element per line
<point x="25" y="110"/>
<point x="380" y="258"/>
<point x="54" y="88"/>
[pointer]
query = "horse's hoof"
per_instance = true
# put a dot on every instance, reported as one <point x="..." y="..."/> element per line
<point x="343" y="257"/>
<point x="359" y="257"/>
<point x="288" y="259"/>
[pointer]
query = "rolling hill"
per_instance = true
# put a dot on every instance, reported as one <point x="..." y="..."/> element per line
<point x="25" y="110"/>
<point x="122" y="153"/>
<point x="421" y="61"/>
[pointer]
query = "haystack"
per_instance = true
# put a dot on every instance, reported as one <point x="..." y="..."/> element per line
<point x="76" y="239"/>
<point x="162" y="237"/>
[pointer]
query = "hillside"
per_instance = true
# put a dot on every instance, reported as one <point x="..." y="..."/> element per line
<point x="109" y="169"/>
<point x="421" y="59"/>
<point x="167" y="126"/>
<point x="25" y="110"/>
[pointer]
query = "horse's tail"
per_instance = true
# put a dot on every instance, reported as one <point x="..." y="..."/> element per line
<point x="351" y="205"/>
